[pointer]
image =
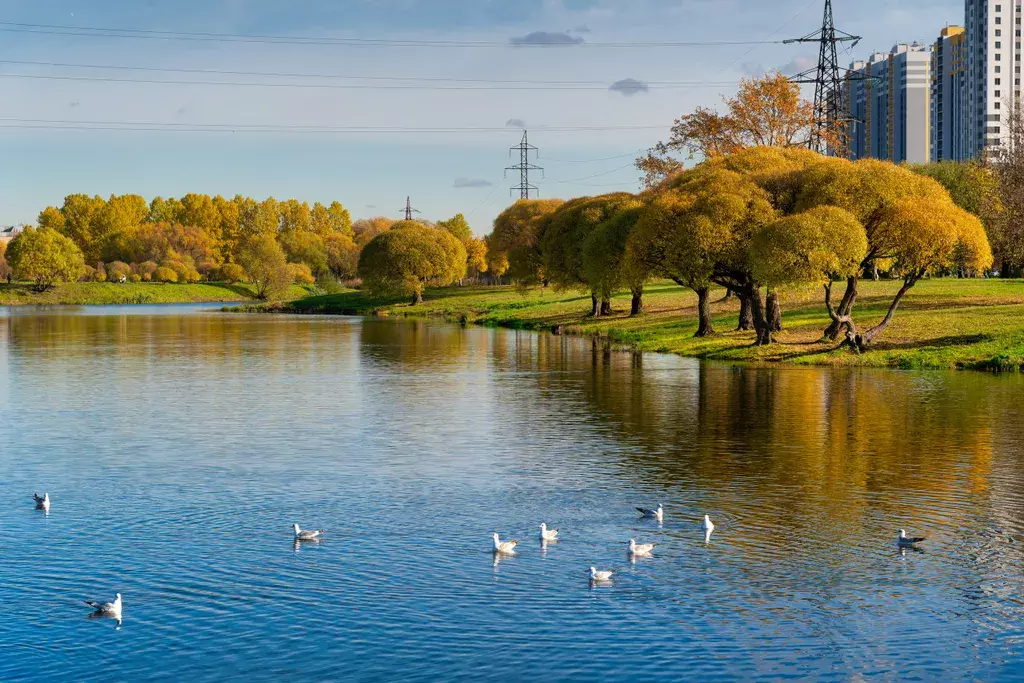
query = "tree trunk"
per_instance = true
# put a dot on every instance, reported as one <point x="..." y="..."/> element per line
<point x="417" y="298"/>
<point x="704" y="325"/>
<point x="595" y="309"/>
<point x="764" y="330"/>
<point x="728" y="296"/>
<point x="845" y="308"/>
<point x="842" y="323"/>
<point x="864" y="340"/>
<point x="636" y="307"/>
<point x="774" y="312"/>
<point x="606" y="307"/>
<point x="746" y="315"/>
<point x="1004" y="270"/>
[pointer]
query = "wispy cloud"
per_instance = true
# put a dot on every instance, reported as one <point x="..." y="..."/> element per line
<point x="471" y="182"/>
<point x="545" y="38"/>
<point x="629" y="86"/>
<point x="515" y="123"/>
<point x="796" y="65"/>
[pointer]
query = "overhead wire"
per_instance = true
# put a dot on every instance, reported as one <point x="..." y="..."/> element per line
<point x="527" y="42"/>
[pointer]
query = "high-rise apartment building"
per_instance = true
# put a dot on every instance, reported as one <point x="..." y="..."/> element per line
<point x="888" y="102"/>
<point x="949" y="139"/>
<point x="993" y="38"/>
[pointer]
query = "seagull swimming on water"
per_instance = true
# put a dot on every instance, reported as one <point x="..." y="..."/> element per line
<point x="707" y="526"/>
<point x="106" y="609"/>
<point x="905" y="541"/>
<point x="547" y="534"/>
<point x="641" y="549"/>
<point x="647" y="513"/>
<point x="503" y="546"/>
<point x="42" y="503"/>
<point x="596" y="575"/>
<point x="307" y="535"/>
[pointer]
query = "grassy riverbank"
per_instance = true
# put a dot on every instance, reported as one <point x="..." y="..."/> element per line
<point x="96" y="293"/>
<point x="948" y="323"/>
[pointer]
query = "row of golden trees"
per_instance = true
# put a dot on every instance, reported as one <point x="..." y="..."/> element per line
<point x="754" y="222"/>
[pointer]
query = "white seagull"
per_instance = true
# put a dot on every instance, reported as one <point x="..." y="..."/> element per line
<point x="106" y="609"/>
<point x="42" y="503"/>
<point x="642" y="549"/>
<point x="307" y="535"/>
<point x="547" y="534"/>
<point x="707" y="526"/>
<point x="905" y="541"/>
<point x="596" y="575"/>
<point x="647" y="513"/>
<point x="503" y="546"/>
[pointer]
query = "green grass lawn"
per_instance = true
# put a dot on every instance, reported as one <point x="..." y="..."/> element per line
<point x="89" y="293"/>
<point x="942" y="323"/>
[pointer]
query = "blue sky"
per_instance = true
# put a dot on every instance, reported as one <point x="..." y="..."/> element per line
<point x="371" y="173"/>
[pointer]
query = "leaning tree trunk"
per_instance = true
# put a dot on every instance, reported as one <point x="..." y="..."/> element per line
<point x="595" y="309"/>
<point x="864" y="340"/>
<point x="746" y="314"/>
<point x="704" y="324"/>
<point x="727" y="297"/>
<point x="845" y="308"/>
<point x="606" y="307"/>
<point x="843" y="323"/>
<point x="417" y="297"/>
<point x="774" y="311"/>
<point x="636" y="306"/>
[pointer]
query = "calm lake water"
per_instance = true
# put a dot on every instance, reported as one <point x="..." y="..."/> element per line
<point x="179" y="446"/>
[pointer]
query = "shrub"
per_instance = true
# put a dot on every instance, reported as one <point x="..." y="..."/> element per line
<point x="146" y="268"/>
<point x="163" y="274"/>
<point x="232" y="272"/>
<point x="46" y="257"/>
<point x="134" y="277"/>
<point x="88" y="274"/>
<point x="147" y="277"/>
<point x="301" y="274"/>
<point x="410" y="256"/>
<point x="264" y="261"/>
<point x="118" y="271"/>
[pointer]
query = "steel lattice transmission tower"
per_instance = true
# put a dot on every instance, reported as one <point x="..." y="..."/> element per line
<point x="409" y="211"/>
<point x="524" y="167"/>
<point x="828" y="131"/>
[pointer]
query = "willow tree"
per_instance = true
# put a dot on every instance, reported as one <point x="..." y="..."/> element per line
<point x="410" y="256"/>
<point x="868" y="189"/>
<point x="608" y="263"/>
<point x="696" y="232"/>
<point x="515" y="241"/>
<point x="564" y="237"/>
<point x="819" y="245"/>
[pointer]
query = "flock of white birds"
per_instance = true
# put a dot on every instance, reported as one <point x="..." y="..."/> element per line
<point x="500" y="547"/>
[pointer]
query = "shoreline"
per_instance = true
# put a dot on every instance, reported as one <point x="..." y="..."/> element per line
<point x="135" y="293"/>
<point x="944" y="324"/>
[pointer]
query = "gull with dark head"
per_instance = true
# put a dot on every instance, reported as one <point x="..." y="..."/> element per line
<point x="42" y="502"/>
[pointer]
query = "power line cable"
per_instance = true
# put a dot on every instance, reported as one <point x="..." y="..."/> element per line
<point x="591" y="161"/>
<point x="314" y="86"/>
<point x="596" y="175"/>
<point x="285" y="74"/>
<point x="107" y="32"/>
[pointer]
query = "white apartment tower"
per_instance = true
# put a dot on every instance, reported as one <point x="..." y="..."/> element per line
<point x="889" y="105"/>
<point x="993" y="38"/>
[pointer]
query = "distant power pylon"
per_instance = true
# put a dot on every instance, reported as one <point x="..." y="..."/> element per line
<point x="829" y="79"/>
<point x="409" y="211"/>
<point x="524" y="167"/>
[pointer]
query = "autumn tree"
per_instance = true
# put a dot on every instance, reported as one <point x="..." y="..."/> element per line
<point x="342" y="255"/>
<point x="264" y="261"/>
<point x="608" y="263"/>
<point x="5" y="269"/>
<point x="766" y="111"/>
<point x="410" y="256"/>
<point x="516" y="239"/>
<point x="301" y="246"/>
<point x="45" y="257"/>
<point x="458" y="226"/>
<point x="328" y="220"/>
<point x="476" y="257"/>
<point x="365" y="229"/>
<point x="975" y="187"/>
